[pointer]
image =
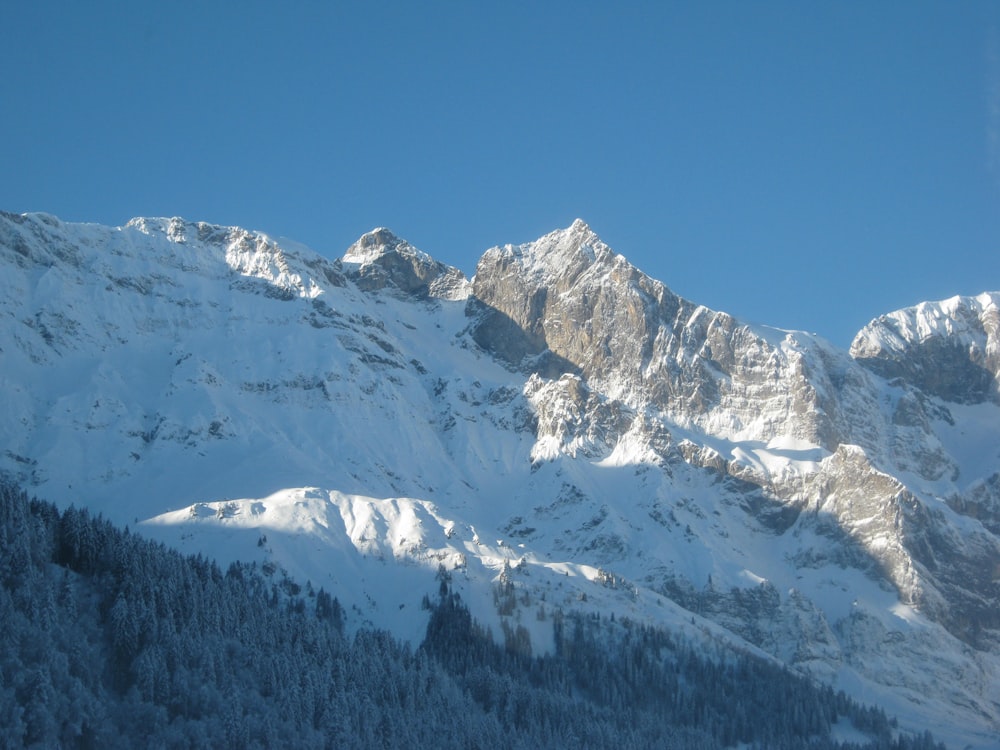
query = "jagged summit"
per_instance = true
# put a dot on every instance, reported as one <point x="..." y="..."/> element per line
<point x="568" y="303"/>
<point x="552" y="297"/>
<point x="559" y="256"/>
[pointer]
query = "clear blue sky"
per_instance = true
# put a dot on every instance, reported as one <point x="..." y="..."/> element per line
<point x="803" y="164"/>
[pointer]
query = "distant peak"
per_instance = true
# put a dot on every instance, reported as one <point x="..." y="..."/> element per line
<point x="565" y="251"/>
<point x="577" y="233"/>
<point x="947" y="348"/>
<point x="379" y="258"/>
<point x="379" y="236"/>
<point x="376" y="243"/>
<point x="924" y="321"/>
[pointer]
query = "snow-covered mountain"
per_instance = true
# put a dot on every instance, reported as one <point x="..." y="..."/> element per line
<point x="561" y="422"/>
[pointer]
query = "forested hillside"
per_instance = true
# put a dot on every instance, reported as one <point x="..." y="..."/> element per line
<point x="108" y="640"/>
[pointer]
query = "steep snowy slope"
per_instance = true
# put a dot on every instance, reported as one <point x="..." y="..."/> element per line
<point x="561" y="424"/>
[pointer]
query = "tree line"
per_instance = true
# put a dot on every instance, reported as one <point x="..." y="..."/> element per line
<point x="109" y="640"/>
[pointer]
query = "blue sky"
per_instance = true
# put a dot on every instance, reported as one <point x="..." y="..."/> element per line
<point x="805" y="165"/>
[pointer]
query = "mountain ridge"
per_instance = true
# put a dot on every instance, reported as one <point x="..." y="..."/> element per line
<point x="560" y="413"/>
<point x="964" y="332"/>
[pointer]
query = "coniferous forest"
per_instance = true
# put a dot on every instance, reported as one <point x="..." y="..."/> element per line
<point x="108" y="640"/>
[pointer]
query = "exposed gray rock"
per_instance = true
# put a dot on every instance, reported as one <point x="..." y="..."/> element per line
<point x="632" y="338"/>
<point x="379" y="259"/>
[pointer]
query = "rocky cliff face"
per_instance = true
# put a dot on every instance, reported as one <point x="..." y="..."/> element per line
<point x="561" y="419"/>
<point x="569" y="298"/>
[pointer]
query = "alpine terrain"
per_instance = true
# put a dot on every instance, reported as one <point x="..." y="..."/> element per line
<point x="558" y="434"/>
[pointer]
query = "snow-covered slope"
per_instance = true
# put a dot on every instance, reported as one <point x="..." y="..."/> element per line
<point x="561" y="422"/>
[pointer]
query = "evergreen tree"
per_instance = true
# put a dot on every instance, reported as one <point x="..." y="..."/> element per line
<point x="107" y="640"/>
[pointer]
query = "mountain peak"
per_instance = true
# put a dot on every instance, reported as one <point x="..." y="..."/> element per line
<point x="562" y="254"/>
<point x="578" y="233"/>
<point x="949" y="348"/>
<point x="380" y="259"/>
<point x="375" y="244"/>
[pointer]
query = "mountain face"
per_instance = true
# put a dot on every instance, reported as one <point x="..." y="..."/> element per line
<point x="560" y="424"/>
